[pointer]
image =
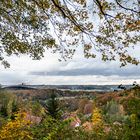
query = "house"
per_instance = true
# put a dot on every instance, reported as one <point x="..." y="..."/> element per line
<point x="74" y="120"/>
<point x="33" y="119"/>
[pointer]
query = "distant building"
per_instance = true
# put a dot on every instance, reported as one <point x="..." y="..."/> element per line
<point x="23" y="84"/>
<point x="75" y="121"/>
<point x="135" y="83"/>
<point x="122" y="87"/>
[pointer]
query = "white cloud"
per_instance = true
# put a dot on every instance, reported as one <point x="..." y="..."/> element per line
<point x="103" y="72"/>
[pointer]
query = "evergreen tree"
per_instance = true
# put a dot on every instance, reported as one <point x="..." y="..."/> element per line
<point x="52" y="106"/>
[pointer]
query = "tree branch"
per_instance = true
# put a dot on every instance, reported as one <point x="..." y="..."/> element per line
<point x="132" y="10"/>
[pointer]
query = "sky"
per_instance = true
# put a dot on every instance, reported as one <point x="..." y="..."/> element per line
<point x="76" y="71"/>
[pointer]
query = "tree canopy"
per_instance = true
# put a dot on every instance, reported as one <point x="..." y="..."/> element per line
<point x="109" y="27"/>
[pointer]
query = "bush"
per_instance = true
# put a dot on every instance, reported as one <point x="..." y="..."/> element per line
<point x="8" y="102"/>
<point x="16" y="129"/>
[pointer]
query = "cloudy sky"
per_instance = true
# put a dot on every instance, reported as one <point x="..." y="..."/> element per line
<point x="76" y="71"/>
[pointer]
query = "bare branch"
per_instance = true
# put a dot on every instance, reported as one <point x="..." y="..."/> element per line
<point x="132" y="10"/>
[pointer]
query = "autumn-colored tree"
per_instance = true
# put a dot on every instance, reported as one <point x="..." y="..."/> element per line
<point x="97" y="120"/>
<point x="108" y="27"/>
<point x="82" y="104"/>
<point x="16" y="129"/>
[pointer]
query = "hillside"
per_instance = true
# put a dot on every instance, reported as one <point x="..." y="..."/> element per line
<point x="50" y="113"/>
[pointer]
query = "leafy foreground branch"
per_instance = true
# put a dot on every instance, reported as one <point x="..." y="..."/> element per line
<point x="107" y="28"/>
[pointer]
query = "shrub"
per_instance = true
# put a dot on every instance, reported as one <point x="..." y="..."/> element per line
<point x="8" y="103"/>
<point x="16" y="129"/>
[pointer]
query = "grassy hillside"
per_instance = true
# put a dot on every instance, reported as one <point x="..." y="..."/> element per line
<point x="66" y="115"/>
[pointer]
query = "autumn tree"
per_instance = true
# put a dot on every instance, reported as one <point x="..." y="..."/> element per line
<point x="16" y="129"/>
<point x="97" y="119"/>
<point x="102" y="27"/>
